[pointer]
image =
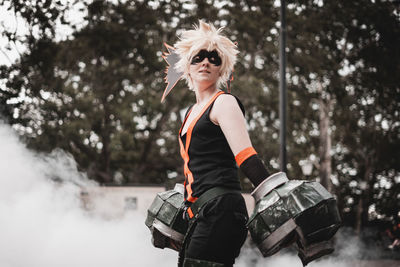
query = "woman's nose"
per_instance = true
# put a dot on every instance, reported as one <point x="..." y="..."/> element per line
<point x="205" y="61"/>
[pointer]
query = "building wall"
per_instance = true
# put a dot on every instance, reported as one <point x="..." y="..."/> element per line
<point x="113" y="202"/>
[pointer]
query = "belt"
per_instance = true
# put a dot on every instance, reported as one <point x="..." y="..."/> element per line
<point x="210" y="194"/>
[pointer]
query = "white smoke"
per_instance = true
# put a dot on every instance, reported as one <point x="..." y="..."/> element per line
<point x="250" y="256"/>
<point x="43" y="224"/>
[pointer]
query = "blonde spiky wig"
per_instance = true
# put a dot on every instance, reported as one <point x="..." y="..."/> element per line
<point x="205" y="36"/>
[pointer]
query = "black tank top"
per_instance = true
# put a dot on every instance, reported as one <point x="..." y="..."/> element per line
<point x="209" y="160"/>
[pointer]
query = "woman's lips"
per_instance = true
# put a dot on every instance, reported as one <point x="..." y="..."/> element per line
<point x="204" y="71"/>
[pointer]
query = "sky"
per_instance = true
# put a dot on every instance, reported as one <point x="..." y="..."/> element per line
<point x="11" y="22"/>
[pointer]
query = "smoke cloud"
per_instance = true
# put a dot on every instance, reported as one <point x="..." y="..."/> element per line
<point x="43" y="224"/>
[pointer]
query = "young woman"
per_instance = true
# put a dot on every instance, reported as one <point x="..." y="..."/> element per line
<point x="213" y="141"/>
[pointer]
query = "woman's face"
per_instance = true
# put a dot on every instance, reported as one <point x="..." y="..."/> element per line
<point x="205" y="67"/>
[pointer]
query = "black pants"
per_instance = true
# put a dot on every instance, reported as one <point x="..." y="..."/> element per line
<point x="219" y="231"/>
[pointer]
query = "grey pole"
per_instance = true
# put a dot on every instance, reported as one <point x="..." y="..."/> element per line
<point x="282" y="88"/>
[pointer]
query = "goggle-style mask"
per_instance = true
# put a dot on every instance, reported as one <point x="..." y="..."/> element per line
<point x="212" y="57"/>
<point x="174" y="75"/>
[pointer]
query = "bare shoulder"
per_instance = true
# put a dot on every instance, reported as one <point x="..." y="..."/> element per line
<point x="225" y="101"/>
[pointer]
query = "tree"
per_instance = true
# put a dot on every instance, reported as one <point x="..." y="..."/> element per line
<point x="344" y="55"/>
<point x="97" y="94"/>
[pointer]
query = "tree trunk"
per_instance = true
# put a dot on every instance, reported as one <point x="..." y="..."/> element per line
<point x="325" y="167"/>
<point x="106" y="140"/>
<point x="359" y="215"/>
<point x="365" y="198"/>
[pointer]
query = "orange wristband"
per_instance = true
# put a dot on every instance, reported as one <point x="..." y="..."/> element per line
<point x="245" y="154"/>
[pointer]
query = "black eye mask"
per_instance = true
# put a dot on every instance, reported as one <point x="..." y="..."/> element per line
<point x="212" y="57"/>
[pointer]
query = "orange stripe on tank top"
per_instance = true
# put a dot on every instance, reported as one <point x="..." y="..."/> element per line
<point x="185" y="149"/>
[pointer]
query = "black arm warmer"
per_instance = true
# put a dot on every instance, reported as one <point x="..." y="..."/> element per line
<point x="254" y="169"/>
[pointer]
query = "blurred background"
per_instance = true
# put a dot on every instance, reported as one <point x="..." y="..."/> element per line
<point x="86" y="78"/>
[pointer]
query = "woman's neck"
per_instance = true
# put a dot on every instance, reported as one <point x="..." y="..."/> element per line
<point x="204" y="94"/>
